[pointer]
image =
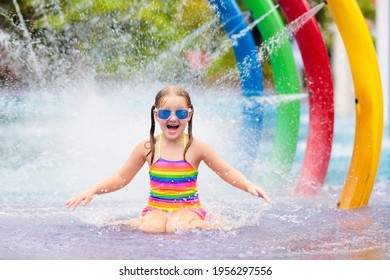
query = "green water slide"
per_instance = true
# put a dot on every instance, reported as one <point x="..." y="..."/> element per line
<point x="286" y="82"/>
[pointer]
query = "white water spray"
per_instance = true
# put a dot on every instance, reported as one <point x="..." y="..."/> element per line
<point x="274" y="43"/>
<point x="252" y="25"/>
<point x="26" y="34"/>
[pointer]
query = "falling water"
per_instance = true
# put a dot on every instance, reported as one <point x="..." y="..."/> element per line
<point x="274" y="43"/>
<point x="35" y="66"/>
<point x="172" y="60"/>
<point x="55" y="143"/>
<point x="180" y="46"/>
<point x="276" y="99"/>
<point x="235" y="37"/>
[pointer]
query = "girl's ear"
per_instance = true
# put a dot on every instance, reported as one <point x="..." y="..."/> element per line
<point x="189" y="115"/>
<point x="155" y="113"/>
<point x="191" y="110"/>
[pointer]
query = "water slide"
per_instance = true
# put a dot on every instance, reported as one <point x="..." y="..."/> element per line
<point x="382" y="29"/>
<point x="249" y="69"/>
<point x="286" y="81"/>
<point x="321" y="106"/>
<point x="368" y="99"/>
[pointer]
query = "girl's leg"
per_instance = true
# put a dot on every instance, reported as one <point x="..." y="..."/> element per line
<point x="154" y="221"/>
<point x="185" y="219"/>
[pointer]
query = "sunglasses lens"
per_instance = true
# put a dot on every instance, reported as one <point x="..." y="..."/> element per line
<point x="164" y="114"/>
<point x="182" y="114"/>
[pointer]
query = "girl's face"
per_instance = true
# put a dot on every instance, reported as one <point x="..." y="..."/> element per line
<point x="174" y="125"/>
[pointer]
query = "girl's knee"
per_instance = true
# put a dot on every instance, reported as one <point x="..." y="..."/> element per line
<point x="154" y="222"/>
<point x="181" y="220"/>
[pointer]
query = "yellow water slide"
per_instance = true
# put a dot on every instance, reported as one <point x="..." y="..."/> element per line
<point x="369" y="102"/>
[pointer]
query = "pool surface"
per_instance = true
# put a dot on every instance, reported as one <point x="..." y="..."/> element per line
<point x="55" y="144"/>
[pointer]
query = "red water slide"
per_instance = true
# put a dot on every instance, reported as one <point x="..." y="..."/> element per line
<point x="321" y="105"/>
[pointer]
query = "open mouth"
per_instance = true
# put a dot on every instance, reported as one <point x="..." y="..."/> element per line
<point x="172" y="127"/>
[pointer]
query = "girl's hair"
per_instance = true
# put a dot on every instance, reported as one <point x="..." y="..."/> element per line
<point x="170" y="90"/>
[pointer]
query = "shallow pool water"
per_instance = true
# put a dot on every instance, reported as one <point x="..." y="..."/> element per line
<point x="55" y="144"/>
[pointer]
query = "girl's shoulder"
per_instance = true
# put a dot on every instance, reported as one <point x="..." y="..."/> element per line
<point x="204" y="152"/>
<point x="143" y="147"/>
<point x="196" y="142"/>
<point x="200" y="146"/>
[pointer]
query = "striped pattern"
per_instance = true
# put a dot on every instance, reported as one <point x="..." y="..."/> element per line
<point x="173" y="186"/>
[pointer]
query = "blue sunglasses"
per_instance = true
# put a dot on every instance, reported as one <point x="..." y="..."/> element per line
<point x="164" y="114"/>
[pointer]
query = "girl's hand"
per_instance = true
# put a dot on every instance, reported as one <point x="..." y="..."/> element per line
<point x="257" y="191"/>
<point x="86" y="197"/>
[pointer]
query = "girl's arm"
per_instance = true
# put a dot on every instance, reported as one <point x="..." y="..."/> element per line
<point x="116" y="181"/>
<point x="228" y="173"/>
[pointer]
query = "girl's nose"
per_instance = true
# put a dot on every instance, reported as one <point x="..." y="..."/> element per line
<point x="173" y="117"/>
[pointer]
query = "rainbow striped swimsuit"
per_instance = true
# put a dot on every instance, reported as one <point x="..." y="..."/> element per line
<point x="173" y="187"/>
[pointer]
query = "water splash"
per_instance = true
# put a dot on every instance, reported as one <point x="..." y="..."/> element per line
<point x="43" y="155"/>
<point x="173" y="61"/>
<point x="33" y="62"/>
<point x="32" y="59"/>
<point x="274" y="43"/>
<point x="243" y="32"/>
<point x="55" y="57"/>
<point x="178" y="47"/>
<point x="276" y="99"/>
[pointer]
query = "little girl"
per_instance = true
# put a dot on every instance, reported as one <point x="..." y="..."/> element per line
<point x="173" y="158"/>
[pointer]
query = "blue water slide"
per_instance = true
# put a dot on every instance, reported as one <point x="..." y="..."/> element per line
<point x="249" y="69"/>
